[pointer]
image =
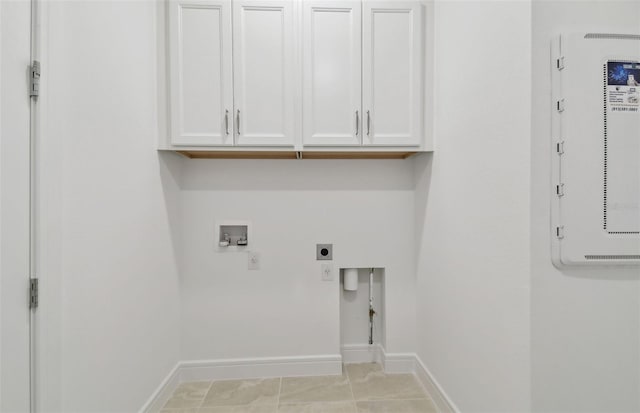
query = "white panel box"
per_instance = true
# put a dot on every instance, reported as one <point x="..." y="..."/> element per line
<point x="596" y="149"/>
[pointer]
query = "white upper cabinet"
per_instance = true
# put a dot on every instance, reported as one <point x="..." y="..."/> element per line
<point x="299" y="74"/>
<point x="264" y="76"/>
<point x="392" y="56"/>
<point x="201" y="72"/>
<point x="332" y="73"/>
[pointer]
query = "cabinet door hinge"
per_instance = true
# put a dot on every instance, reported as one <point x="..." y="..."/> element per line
<point x="560" y="147"/>
<point x="560" y="232"/>
<point x="560" y="105"/>
<point x="34" y="81"/>
<point x="560" y="63"/>
<point x="33" y="293"/>
<point x="560" y="190"/>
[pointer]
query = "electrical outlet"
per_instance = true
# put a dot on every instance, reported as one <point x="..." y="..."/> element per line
<point x="327" y="272"/>
<point x="253" y="260"/>
<point x="324" y="252"/>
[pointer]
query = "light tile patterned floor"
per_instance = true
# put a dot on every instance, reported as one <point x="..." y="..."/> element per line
<point x="363" y="388"/>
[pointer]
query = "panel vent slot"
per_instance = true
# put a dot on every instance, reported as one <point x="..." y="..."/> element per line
<point x="612" y="257"/>
<point x="604" y="99"/>
<point x="612" y="36"/>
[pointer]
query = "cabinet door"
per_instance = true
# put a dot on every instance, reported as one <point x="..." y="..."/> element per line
<point x="392" y="72"/>
<point x="263" y="72"/>
<point x="332" y="73"/>
<point x="201" y="72"/>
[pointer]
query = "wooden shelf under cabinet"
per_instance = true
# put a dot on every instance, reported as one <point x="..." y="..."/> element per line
<point x="293" y="155"/>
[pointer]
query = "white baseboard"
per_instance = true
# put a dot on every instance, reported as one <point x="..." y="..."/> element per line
<point x="395" y="363"/>
<point x="164" y="391"/>
<point x="440" y="398"/>
<point x="226" y="369"/>
<point x="375" y="353"/>
<point x="362" y="353"/>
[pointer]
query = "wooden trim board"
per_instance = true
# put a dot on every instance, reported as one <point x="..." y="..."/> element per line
<point x="239" y="154"/>
<point x="356" y="155"/>
<point x="293" y="155"/>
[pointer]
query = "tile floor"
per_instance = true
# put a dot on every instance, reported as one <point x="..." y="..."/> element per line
<point x="362" y="388"/>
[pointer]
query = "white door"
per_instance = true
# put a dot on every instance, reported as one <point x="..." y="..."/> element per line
<point x="201" y="72"/>
<point x="263" y="72"/>
<point x="332" y="73"/>
<point x="15" y="26"/>
<point x="392" y="62"/>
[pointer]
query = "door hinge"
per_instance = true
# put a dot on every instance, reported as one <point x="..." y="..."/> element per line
<point x="560" y="105"/>
<point x="560" y="190"/>
<point x="560" y="147"/>
<point x="33" y="293"/>
<point x="34" y="81"/>
<point x="560" y="63"/>
<point x="560" y="232"/>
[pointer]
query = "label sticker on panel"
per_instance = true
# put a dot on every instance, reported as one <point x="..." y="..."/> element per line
<point x="623" y="86"/>
<point x="621" y="180"/>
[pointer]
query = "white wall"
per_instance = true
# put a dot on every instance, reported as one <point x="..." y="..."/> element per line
<point x="585" y="322"/>
<point x="118" y="219"/>
<point x="472" y="208"/>
<point x="365" y="208"/>
<point x="119" y="215"/>
<point x="109" y="226"/>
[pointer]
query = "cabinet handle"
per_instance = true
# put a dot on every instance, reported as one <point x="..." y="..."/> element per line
<point x="357" y="124"/>
<point x="226" y="121"/>
<point x="238" y="121"/>
<point x="368" y="123"/>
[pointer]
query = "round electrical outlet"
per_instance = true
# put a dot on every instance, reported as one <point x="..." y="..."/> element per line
<point x="324" y="251"/>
